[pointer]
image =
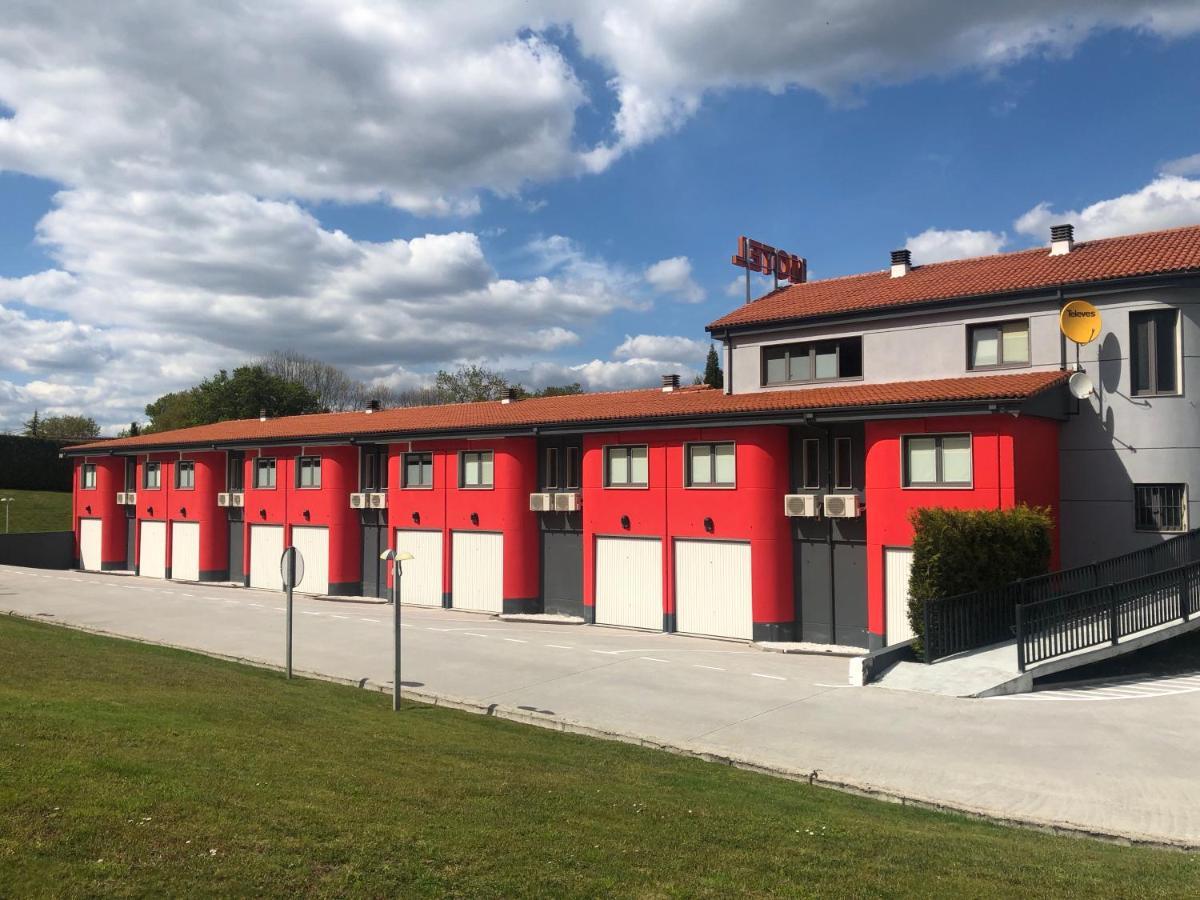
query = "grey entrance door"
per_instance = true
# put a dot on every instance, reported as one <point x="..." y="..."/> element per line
<point x="562" y="572"/>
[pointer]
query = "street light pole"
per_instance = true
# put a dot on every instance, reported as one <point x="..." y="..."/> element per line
<point x="396" y="558"/>
<point x="8" y="502"/>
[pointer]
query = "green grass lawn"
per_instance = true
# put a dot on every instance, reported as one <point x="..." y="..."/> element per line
<point x="127" y="769"/>
<point x="37" y="511"/>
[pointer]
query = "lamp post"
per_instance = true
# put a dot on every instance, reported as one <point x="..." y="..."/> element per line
<point x="396" y="558"/>
<point x="8" y="502"/>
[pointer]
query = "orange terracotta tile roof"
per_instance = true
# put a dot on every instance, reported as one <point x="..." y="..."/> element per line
<point x="1152" y="253"/>
<point x="634" y="406"/>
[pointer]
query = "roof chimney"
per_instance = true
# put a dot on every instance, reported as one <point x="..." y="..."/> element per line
<point x="372" y="406"/>
<point x="262" y="414"/>
<point x="670" y="383"/>
<point x="901" y="262"/>
<point x="507" y="395"/>
<point x="1062" y="239"/>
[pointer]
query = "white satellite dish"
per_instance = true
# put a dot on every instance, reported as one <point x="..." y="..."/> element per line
<point x="1080" y="385"/>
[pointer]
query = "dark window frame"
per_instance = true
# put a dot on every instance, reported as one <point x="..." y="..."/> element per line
<point x="972" y="366"/>
<point x="939" y="483"/>
<point x="478" y="455"/>
<point x="574" y="473"/>
<point x="1150" y="517"/>
<point x="836" y="480"/>
<point x="627" y="450"/>
<point x="792" y="351"/>
<point x="810" y="480"/>
<point x="304" y="463"/>
<point x="1152" y="317"/>
<point x="550" y="471"/>
<point x="151" y="467"/>
<point x="260" y="467"/>
<point x="423" y="460"/>
<point x="86" y="469"/>
<point x="690" y="482"/>
<point x="181" y="466"/>
<point x="235" y="471"/>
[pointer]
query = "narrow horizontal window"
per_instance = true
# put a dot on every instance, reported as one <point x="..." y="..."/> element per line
<point x="626" y="466"/>
<point x="942" y="460"/>
<point x="828" y="360"/>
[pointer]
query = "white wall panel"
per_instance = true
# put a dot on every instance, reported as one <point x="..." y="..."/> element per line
<point x="313" y="544"/>
<point x="266" y="548"/>
<point x="185" y="551"/>
<point x="422" y="581"/>
<point x="477" y="571"/>
<point x="90" y="533"/>
<point x="152" y="550"/>
<point x="897" y="564"/>
<point x="629" y="582"/>
<point x="712" y="589"/>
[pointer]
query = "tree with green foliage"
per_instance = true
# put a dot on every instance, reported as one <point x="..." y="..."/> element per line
<point x="224" y="397"/>
<point x="65" y="428"/>
<point x="33" y="427"/>
<point x="713" y="376"/>
<point x="469" y="384"/>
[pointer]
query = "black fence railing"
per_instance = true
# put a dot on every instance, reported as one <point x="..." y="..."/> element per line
<point x="1105" y="614"/>
<point x="979" y="618"/>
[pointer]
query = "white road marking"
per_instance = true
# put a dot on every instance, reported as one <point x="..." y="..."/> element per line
<point x="772" y="677"/>
<point x="305" y="612"/>
<point x="474" y="634"/>
<point x="1131" y="689"/>
<point x="560" y="646"/>
<point x="376" y="621"/>
<point x="653" y="659"/>
<point x="339" y="617"/>
<point x="823" y="684"/>
<point x="713" y="668"/>
<point x="259" y="605"/>
<point x="281" y="608"/>
<point x="516" y="641"/>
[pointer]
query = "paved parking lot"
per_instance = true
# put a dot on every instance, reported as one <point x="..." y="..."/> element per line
<point x="1052" y="758"/>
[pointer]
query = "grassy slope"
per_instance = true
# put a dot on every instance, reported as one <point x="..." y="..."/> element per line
<point x="37" y="511"/>
<point x="128" y="769"/>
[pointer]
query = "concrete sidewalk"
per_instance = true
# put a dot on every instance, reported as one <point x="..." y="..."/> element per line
<point x="1116" y="769"/>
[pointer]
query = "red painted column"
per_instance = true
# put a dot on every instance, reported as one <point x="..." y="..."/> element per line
<point x="202" y="507"/>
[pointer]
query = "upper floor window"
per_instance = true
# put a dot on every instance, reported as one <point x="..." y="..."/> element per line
<point x="131" y="474"/>
<point x="626" y="467"/>
<point x="1154" y="351"/>
<point x="152" y="476"/>
<point x="418" y="470"/>
<point x="574" y="479"/>
<point x="264" y="472"/>
<point x="941" y="460"/>
<point x="308" y="472"/>
<point x="550" y="470"/>
<point x="810" y="464"/>
<point x="997" y="344"/>
<point x="475" y="469"/>
<point x="1160" y="507"/>
<point x="711" y="465"/>
<point x="373" y="469"/>
<point x="185" y="474"/>
<point x="235" y="470"/>
<point x="812" y="361"/>
<point x="87" y="476"/>
<point x="843" y="475"/>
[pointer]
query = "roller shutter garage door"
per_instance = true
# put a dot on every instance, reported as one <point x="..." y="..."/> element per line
<point x="266" y="548"/>
<point x="629" y="582"/>
<point x="313" y="544"/>
<point x="897" y="564"/>
<point x="477" y="571"/>
<point x="422" y="580"/>
<point x="185" y="551"/>
<point x="90" y="533"/>
<point x="712" y="589"/>
<point x="152" y="550"/>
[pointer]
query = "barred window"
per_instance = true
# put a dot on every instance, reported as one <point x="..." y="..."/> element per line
<point x="1160" y="507"/>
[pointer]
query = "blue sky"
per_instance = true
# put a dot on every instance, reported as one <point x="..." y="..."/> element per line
<point x="556" y="196"/>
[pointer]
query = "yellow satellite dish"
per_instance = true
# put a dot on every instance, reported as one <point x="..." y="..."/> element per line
<point x="1080" y="322"/>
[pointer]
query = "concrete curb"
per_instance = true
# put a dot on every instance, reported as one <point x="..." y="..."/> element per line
<point x="842" y="783"/>
<point x="541" y="618"/>
<point x="807" y="649"/>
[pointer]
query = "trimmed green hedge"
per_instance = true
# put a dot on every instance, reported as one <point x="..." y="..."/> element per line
<point x="32" y="464"/>
<point x="956" y="551"/>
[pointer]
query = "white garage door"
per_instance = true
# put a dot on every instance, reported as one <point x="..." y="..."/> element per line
<point x="90" y="533"/>
<point x="712" y="589"/>
<point x="266" y="547"/>
<point x="629" y="582"/>
<point x="422" y="581"/>
<point x="313" y="544"/>
<point x="477" y="571"/>
<point x="897" y="564"/>
<point x="185" y="551"/>
<point x="152" y="550"/>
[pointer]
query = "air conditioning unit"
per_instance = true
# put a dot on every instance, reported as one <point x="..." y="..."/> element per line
<point x="222" y="499"/>
<point x="131" y="498"/>
<point x="541" y="502"/>
<point x="359" y="501"/>
<point x="377" y="501"/>
<point x="800" y="505"/>
<point x="841" y="506"/>
<point x="237" y="498"/>
<point x="568" y="502"/>
<point x="120" y="498"/>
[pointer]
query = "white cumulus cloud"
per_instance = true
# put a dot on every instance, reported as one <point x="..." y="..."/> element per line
<point x="938" y="245"/>
<point x="674" y="276"/>
<point x="1166" y="202"/>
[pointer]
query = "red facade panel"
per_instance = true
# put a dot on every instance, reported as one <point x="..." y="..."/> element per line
<point x="100" y="503"/>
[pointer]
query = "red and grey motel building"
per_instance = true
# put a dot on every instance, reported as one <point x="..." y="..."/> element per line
<point x="776" y="508"/>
